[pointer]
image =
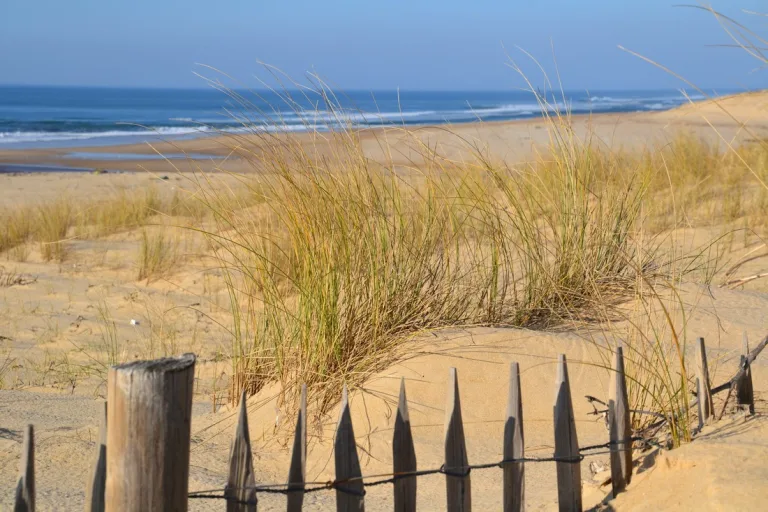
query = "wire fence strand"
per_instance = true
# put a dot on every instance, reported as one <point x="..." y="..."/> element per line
<point x="391" y="478"/>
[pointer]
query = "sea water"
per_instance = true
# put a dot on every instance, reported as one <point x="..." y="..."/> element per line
<point x="34" y="116"/>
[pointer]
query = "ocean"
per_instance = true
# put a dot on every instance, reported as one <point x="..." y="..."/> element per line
<point x="34" y="116"/>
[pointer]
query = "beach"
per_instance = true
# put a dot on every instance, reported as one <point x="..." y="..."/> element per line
<point x="63" y="320"/>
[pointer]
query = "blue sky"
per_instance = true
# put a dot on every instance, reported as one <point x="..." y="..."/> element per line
<point x="407" y="44"/>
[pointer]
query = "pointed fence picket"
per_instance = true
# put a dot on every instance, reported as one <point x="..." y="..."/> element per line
<point x="514" y="446"/>
<point x="403" y="456"/>
<point x="744" y="393"/>
<point x="25" y="488"/>
<point x="457" y="481"/>
<point x="128" y="462"/>
<point x="95" y="492"/>
<point x="703" y="388"/>
<point x="566" y="443"/>
<point x="298" y="471"/>
<point x="350" y="490"/>
<point x="240" y="490"/>
<point x="619" y="425"/>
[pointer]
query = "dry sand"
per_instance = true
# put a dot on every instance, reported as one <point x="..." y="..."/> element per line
<point x="57" y="311"/>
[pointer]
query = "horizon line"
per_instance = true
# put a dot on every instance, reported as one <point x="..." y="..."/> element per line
<point x="366" y="90"/>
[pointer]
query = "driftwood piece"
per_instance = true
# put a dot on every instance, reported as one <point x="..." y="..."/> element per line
<point x="298" y="470"/>
<point x="457" y="481"/>
<point x="752" y="356"/>
<point x="95" y="488"/>
<point x="619" y="424"/>
<point x="148" y="434"/>
<point x="25" y="488"/>
<point x="566" y="444"/>
<point x="514" y="445"/>
<point x="240" y="490"/>
<point x="403" y="456"/>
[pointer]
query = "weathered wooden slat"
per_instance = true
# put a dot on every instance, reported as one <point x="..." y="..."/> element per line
<point x="514" y="446"/>
<point x="703" y="388"/>
<point x="94" y="490"/>
<point x="25" y="488"/>
<point x="239" y="491"/>
<point x="298" y="470"/>
<point x="744" y="392"/>
<point x="403" y="456"/>
<point x="566" y="443"/>
<point x="619" y="425"/>
<point x="148" y="434"/>
<point x="349" y="493"/>
<point x="457" y="480"/>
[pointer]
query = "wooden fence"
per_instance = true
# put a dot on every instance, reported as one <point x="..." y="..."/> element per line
<point x="142" y="458"/>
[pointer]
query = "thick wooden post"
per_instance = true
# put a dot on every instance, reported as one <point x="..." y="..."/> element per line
<point x="95" y="488"/>
<point x="350" y="490"/>
<point x="566" y="444"/>
<point x="514" y="446"/>
<point x="240" y="491"/>
<point x="25" y="488"/>
<point x="744" y="392"/>
<point x="457" y="481"/>
<point x="620" y="428"/>
<point x="298" y="470"/>
<point x="703" y="388"/>
<point x="403" y="456"/>
<point x="148" y="434"/>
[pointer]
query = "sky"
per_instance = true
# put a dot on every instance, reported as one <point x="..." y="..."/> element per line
<point x="405" y="44"/>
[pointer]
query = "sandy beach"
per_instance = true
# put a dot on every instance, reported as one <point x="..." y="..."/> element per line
<point x="57" y="316"/>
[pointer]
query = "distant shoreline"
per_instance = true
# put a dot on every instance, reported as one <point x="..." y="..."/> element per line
<point x="513" y="139"/>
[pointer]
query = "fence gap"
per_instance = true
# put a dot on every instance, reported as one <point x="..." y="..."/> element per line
<point x="703" y="389"/>
<point x="566" y="443"/>
<point x="457" y="481"/>
<point x="298" y="470"/>
<point x="350" y="490"/>
<point x="620" y="429"/>
<point x="148" y="434"/>
<point x="744" y="391"/>
<point x="514" y="446"/>
<point x="25" y="488"/>
<point x="403" y="456"/>
<point x="239" y="491"/>
<point x="95" y="488"/>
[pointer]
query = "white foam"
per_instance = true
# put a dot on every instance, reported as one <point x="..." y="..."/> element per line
<point x="20" y="136"/>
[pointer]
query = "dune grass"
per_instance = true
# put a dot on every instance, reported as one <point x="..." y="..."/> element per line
<point x="158" y="253"/>
<point x="346" y="258"/>
<point x="342" y="259"/>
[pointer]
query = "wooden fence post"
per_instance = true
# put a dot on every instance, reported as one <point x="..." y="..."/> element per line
<point x="744" y="391"/>
<point x="619" y="421"/>
<point x="25" y="488"/>
<point x="94" y="491"/>
<point x="298" y="470"/>
<point x="566" y="444"/>
<point x="457" y="481"/>
<point x="403" y="456"/>
<point x="703" y="389"/>
<point x="239" y="491"/>
<point x="350" y="491"/>
<point x="148" y="434"/>
<point x="514" y="446"/>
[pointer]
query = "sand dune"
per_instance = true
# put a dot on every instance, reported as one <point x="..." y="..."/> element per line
<point x="55" y="310"/>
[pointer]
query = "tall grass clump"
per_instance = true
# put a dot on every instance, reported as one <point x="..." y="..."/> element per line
<point x="158" y="254"/>
<point x="122" y="210"/>
<point x="344" y="258"/>
<point x="16" y="226"/>
<point x="53" y="222"/>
